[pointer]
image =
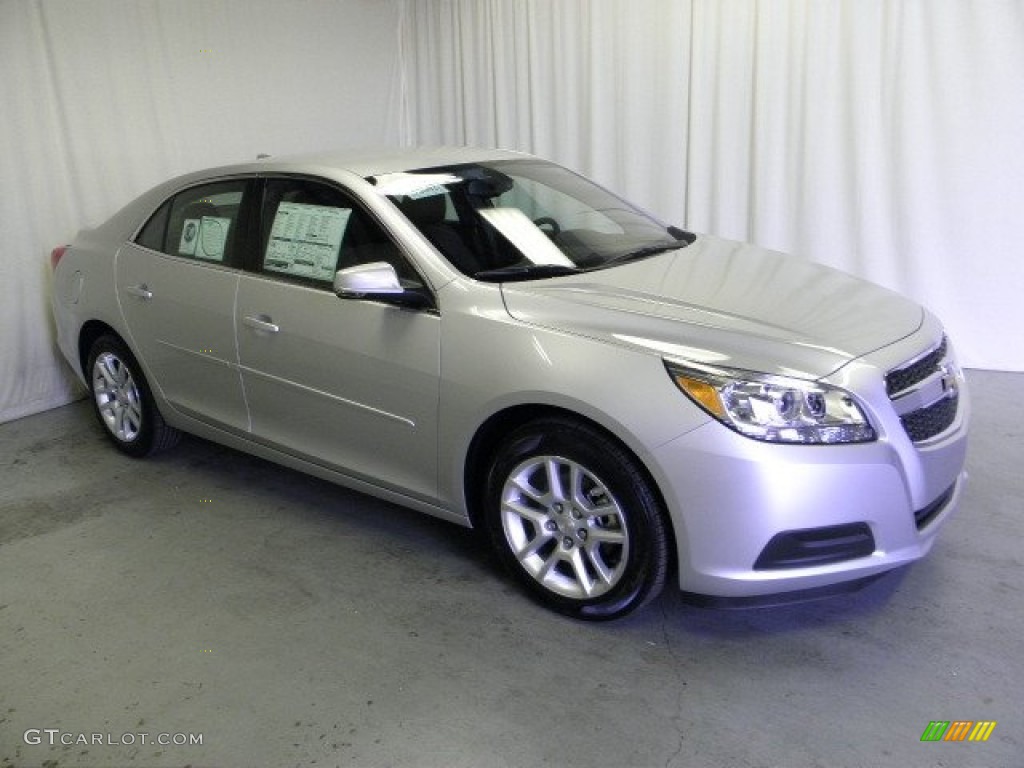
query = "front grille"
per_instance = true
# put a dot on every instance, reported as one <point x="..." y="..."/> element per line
<point x="904" y="378"/>
<point x="925" y="393"/>
<point x="931" y="421"/>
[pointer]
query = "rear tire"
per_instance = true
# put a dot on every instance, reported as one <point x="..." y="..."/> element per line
<point x="574" y="519"/>
<point x="123" y="402"/>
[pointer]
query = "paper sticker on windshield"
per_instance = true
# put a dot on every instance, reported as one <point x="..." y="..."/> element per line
<point x="526" y="236"/>
<point x="305" y="240"/>
<point x="414" y="185"/>
<point x="431" y="191"/>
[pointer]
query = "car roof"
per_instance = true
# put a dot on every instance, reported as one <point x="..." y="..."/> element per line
<point x="360" y="162"/>
<point x="368" y="162"/>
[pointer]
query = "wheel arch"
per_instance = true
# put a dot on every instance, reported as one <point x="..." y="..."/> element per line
<point x="87" y="336"/>
<point x="483" y="448"/>
<point x="153" y="432"/>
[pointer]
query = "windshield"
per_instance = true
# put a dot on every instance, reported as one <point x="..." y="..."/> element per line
<point x="524" y="219"/>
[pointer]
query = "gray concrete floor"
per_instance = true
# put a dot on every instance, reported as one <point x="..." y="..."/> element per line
<point x="288" y="622"/>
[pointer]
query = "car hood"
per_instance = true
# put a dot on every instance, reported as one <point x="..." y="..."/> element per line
<point x="720" y="302"/>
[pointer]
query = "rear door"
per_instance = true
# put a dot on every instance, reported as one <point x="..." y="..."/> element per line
<point x="349" y="384"/>
<point x="176" y="287"/>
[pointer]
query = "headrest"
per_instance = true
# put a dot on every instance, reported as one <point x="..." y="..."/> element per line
<point x="423" y="210"/>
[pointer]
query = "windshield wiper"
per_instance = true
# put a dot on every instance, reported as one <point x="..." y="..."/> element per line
<point x="526" y="272"/>
<point x="649" y="250"/>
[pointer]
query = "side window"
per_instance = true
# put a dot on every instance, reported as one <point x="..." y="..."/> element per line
<point x="153" y="233"/>
<point x="200" y="223"/>
<point x="311" y="230"/>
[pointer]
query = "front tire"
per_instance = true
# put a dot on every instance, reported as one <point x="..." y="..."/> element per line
<point x="571" y="515"/>
<point x="123" y="402"/>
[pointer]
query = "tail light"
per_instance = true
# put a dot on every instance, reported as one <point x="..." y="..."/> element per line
<point x="57" y="254"/>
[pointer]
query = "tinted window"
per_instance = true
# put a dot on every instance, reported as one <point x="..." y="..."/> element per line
<point x="200" y="223"/>
<point x="311" y="230"/>
<point x="152" y="235"/>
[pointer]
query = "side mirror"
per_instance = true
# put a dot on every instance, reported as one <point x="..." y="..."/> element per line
<point x="377" y="281"/>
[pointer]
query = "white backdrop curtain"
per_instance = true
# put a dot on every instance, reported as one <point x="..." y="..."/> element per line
<point x="101" y="100"/>
<point x="879" y="136"/>
<point x="883" y="137"/>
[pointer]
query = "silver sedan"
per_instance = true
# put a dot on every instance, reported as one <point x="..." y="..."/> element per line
<point x="492" y="339"/>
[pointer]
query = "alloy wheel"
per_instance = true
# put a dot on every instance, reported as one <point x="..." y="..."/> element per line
<point x="117" y="397"/>
<point x="565" y="527"/>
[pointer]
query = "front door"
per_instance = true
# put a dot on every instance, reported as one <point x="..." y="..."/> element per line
<point x="351" y="385"/>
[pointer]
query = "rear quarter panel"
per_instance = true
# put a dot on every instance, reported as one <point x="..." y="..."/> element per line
<point x="83" y="291"/>
<point x="83" y="283"/>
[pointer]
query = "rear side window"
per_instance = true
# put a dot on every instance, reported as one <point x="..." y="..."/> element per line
<point x="152" y="235"/>
<point x="202" y="223"/>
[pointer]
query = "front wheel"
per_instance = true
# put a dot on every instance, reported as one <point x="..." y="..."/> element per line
<point x="123" y="402"/>
<point x="573" y="518"/>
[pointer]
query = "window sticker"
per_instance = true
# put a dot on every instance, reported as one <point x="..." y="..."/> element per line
<point x="415" y="185"/>
<point x="213" y="234"/>
<point x="204" y="238"/>
<point x="189" y="235"/>
<point x="526" y="236"/>
<point x="431" y="191"/>
<point x="305" y="240"/>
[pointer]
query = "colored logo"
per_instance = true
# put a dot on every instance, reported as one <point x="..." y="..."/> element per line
<point x="958" y="730"/>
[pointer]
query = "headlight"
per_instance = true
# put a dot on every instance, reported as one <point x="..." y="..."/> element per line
<point x="774" y="408"/>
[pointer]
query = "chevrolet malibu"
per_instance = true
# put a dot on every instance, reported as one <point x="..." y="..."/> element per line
<point x="492" y="339"/>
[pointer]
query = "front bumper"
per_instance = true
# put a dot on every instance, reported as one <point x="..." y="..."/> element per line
<point x="754" y="519"/>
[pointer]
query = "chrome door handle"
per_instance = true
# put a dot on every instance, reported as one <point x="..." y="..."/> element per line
<point x="261" y="323"/>
<point x="142" y="291"/>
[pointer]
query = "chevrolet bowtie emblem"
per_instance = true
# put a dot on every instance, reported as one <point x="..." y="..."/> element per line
<point x="949" y="382"/>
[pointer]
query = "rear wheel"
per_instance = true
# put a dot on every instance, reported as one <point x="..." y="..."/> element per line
<point x="573" y="518"/>
<point x="123" y="402"/>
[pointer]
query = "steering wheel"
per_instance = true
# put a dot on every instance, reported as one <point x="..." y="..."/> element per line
<point x="548" y="221"/>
